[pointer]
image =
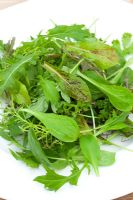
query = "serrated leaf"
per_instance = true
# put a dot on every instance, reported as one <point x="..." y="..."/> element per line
<point x="77" y="32"/>
<point x="27" y="159"/>
<point x="7" y="75"/>
<point x="54" y="181"/>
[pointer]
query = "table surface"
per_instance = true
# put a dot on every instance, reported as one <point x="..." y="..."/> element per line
<point x="7" y="3"/>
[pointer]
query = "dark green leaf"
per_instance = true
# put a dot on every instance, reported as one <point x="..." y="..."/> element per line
<point x="114" y="123"/>
<point x="27" y="159"/>
<point x="36" y="148"/>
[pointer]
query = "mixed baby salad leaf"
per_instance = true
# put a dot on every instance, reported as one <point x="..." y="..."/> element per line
<point x="67" y="93"/>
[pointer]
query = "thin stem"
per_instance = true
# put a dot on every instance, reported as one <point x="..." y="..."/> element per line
<point x="49" y="68"/>
<point x="54" y="40"/>
<point x="93" y="120"/>
<point x="119" y="146"/>
<point x="62" y="61"/>
<point x="86" y="116"/>
<point x="115" y="73"/>
<point x="76" y="66"/>
<point x="103" y="73"/>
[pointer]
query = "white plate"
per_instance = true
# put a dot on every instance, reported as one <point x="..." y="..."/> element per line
<point x="114" y="17"/>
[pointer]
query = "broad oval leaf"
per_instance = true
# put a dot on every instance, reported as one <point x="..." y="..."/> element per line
<point x="22" y="96"/>
<point x="62" y="127"/>
<point x="91" y="150"/>
<point x="120" y="97"/>
<point x="106" y="158"/>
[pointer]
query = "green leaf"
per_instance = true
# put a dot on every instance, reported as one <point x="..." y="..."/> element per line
<point x="120" y="97"/>
<point x="103" y="55"/>
<point x="60" y="126"/>
<point x="122" y="72"/>
<point x="91" y="150"/>
<point x="127" y="40"/>
<point x="50" y="92"/>
<point x="75" y="174"/>
<point x="40" y="105"/>
<point x="13" y="127"/>
<point x="59" y="164"/>
<point x="36" y="148"/>
<point x="77" y="32"/>
<point x="26" y="158"/>
<point x="74" y="86"/>
<point x="22" y="96"/>
<point x="114" y="123"/>
<point x="54" y="181"/>
<point x="127" y="78"/>
<point x="7" y="75"/>
<point x="106" y="158"/>
<point x="117" y="46"/>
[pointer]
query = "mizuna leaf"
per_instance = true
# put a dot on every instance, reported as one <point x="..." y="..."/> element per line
<point x="54" y="181"/>
<point x="27" y="159"/>
<point x="77" y="32"/>
<point x="62" y="127"/>
<point x="7" y="75"/>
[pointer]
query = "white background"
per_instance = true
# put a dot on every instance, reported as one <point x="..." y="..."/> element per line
<point x="114" y="17"/>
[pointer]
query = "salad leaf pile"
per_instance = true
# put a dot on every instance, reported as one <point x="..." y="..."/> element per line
<point x="67" y="93"/>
